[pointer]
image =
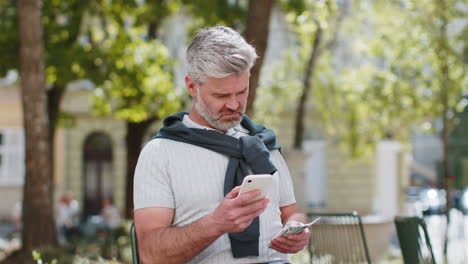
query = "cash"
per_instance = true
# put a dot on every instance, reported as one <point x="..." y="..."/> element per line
<point x="289" y="230"/>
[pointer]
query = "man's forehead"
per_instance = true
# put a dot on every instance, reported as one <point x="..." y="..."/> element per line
<point x="226" y="90"/>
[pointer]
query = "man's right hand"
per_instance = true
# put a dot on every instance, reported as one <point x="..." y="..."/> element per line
<point x="180" y="244"/>
<point x="234" y="214"/>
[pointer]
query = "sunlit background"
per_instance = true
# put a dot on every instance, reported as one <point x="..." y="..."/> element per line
<point x="369" y="99"/>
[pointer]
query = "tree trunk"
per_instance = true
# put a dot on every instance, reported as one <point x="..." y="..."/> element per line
<point x="445" y="167"/>
<point x="152" y="31"/>
<point x="256" y="34"/>
<point x="446" y="85"/>
<point x="442" y="55"/>
<point x="54" y="97"/>
<point x="38" y="186"/>
<point x="315" y="54"/>
<point x="308" y="75"/>
<point x="134" y="142"/>
<point x="154" y="24"/>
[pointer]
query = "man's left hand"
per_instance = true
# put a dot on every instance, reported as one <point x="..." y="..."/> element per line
<point x="293" y="243"/>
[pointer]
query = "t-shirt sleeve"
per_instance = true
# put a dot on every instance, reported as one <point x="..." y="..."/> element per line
<point x="286" y="192"/>
<point x="152" y="185"/>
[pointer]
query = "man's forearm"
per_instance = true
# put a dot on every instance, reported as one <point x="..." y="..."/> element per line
<point x="177" y="244"/>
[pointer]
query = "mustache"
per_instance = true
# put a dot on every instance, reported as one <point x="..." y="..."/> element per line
<point x="240" y="113"/>
<point x="231" y="112"/>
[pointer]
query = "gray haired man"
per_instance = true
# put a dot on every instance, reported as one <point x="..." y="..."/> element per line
<point x="187" y="207"/>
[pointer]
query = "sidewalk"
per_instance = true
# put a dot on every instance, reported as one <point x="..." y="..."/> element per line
<point x="457" y="235"/>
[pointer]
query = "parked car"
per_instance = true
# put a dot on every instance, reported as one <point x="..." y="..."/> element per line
<point x="413" y="204"/>
<point x="461" y="201"/>
<point x="433" y="201"/>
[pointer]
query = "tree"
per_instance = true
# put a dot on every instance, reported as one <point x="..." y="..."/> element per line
<point x="139" y="83"/>
<point x="66" y="59"/>
<point x="404" y="75"/>
<point x="381" y="89"/>
<point x="310" y="20"/>
<point x="256" y="33"/>
<point x="38" y="187"/>
<point x="76" y="50"/>
<point x="448" y="71"/>
<point x="207" y="13"/>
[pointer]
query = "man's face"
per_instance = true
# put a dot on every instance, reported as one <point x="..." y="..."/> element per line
<point x="220" y="102"/>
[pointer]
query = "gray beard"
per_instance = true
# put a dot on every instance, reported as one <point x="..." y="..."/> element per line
<point x="202" y="109"/>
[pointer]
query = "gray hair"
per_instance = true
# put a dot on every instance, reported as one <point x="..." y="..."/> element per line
<point x="218" y="52"/>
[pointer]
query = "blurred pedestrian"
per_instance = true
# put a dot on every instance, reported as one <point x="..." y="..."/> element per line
<point x="16" y="213"/>
<point x="67" y="217"/>
<point x="110" y="214"/>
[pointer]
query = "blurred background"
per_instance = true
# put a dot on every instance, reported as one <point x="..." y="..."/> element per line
<point x="369" y="99"/>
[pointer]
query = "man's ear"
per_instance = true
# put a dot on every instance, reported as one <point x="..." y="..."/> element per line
<point x="191" y="86"/>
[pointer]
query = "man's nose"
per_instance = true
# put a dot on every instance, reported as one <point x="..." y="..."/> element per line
<point x="233" y="103"/>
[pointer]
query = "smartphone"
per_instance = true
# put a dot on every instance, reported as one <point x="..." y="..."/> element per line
<point x="261" y="182"/>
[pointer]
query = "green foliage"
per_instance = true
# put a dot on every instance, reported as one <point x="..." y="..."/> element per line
<point x="105" y="42"/>
<point x="9" y="37"/>
<point x="305" y="17"/>
<point x="420" y="64"/>
<point x="141" y="84"/>
<point x="155" y="12"/>
<point x="315" y="24"/>
<point x="51" y="256"/>
<point x="66" y="58"/>
<point x="293" y="6"/>
<point x="221" y="12"/>
<point x="350" y="112"/>
<point x="277" y="92"/>
<point x="403" y="59"/>
<point x="137" y="74"/>
<point x="109" y="247"/>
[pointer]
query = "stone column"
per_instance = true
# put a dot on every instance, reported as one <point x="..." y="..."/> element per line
<point x="386" y="198"/>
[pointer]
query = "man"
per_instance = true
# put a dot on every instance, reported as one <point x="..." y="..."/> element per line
<point x="187" y="207"/>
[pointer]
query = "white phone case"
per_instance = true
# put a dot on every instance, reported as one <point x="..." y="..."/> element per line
<point x="257" y="181"/>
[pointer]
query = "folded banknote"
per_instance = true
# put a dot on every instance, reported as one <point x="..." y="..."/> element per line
<point x="289" y="230"/>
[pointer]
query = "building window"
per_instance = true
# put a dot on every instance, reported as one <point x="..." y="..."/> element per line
<point x="11" y="156"/>
<point x="1" y="153"/>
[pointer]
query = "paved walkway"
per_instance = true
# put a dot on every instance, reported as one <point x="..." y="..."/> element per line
<point x="457" y="233"/>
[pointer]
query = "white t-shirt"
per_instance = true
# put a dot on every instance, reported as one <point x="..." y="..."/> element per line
<point x="190" y="179"/>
